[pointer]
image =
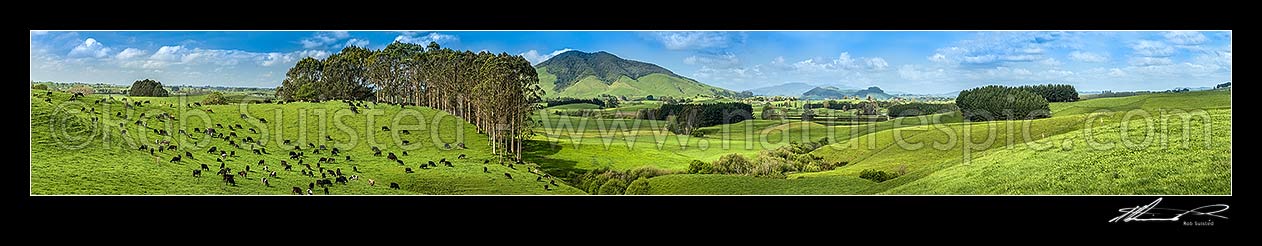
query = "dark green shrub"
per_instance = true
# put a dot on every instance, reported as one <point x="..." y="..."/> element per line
<point x="878" y="176"/>
<point x="613" y="187"/>
<point x="215" y="98"/>
<point x="147" y="88"/>
<point x="638" y="187"/>
<point x="732" y="164"/>
<point x="700" y="167"/>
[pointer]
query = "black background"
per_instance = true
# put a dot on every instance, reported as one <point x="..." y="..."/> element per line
<point x="829" y="214"/>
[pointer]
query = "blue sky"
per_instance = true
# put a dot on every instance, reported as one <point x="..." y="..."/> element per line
<point x="902" y="61"/>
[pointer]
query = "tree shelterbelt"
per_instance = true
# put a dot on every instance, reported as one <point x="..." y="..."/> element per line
<point x="494" y="92"/>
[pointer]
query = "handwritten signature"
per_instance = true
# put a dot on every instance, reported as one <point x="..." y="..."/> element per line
<point x="1155" y="214"/>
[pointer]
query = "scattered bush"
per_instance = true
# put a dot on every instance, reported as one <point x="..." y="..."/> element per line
<point x="995" y="102"/>
<point x="772" y="113"/>
<point x="214" y="98"/>
<point x="638" y="187"/>
<point x="40" y="87"/>
<point x="700" y="167"/>
<point x="613" y="187"/>
<point x="594" y="181"/>
<point x="732" y="164"/>
<point x="878" y="176"/>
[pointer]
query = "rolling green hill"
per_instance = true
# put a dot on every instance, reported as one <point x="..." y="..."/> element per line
<point x="72" y="155"/>
<point x="1189" y="154"/>
<point x="585" y="75"/>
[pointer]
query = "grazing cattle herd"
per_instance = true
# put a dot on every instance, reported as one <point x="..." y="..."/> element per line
<point x="233" y="140"/>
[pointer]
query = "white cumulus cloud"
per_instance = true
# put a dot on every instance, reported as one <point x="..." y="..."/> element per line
<point x="535" y="58"/>
<point x="90" y="48"/>
<point x="130" y="53"/>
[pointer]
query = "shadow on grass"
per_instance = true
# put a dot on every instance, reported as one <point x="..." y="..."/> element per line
<point x="538" y="151"/>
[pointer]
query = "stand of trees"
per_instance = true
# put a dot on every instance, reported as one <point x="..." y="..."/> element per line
<point x="1053" y="93"/>
<point x="994" y="102"/>
<point x="916" y="108"/>
<point x="603" y="103"/>
<point x="687" y="117"/>
<point x="494" y="92"/>
<point x="147" y="88"/>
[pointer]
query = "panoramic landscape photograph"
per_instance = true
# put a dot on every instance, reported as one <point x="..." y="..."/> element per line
<point x="331" y="112"/>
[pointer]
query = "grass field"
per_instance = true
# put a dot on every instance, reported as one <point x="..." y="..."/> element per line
<point x="103" y="161"/>
<point x="937" y="154"/>
<point x="1044" y="156"/>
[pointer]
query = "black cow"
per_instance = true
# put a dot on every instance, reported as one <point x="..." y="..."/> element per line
<point x="400" y="162"/>
<point x="197" y="173"/>
<point x="261" y="119"/>
<point x="405" y="142"/>
<point x="326" y="190"/>
<point x="461" y="156"/>
<point x="230" y="179"/>
<point x="484" y="170"/>
<point x="508" y="175"/>
<point x="256" y="152"/>
<point x="310" y="185"/>
<point x="407" y="170"/>
<point x="311" y="145"/>
<point x="405" y="153"/>
<point x="391" y="156"/>
<point x="406" y="132"/>
<point x="175" y="159"/>
<point x="204" y="167"/>
<point x="394" y="185"/>
<point x="341" y="180"/>
<point x="189" y="155"/>
<point x="385" y="129"/>
<point x="348" y="158"/>
<point x="297" y="191"/>
<point x="212" y="149"/>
